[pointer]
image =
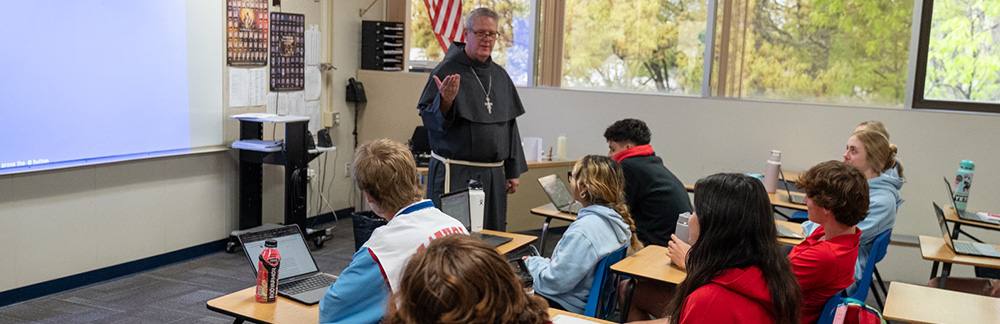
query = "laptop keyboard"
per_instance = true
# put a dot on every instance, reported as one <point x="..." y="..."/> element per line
<point x="307" y="284"/>
<point x="965" y="247"/>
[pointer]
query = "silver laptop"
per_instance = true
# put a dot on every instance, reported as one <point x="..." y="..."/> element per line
<point x="962" y="247"/>
<point x="965" y="214"/>
<point x="298" y="276"/>
<point x="786" y="232"/>
<point x="797" y="199"/>
<point x="558" y="194"/>
<point x="456" y="205"/>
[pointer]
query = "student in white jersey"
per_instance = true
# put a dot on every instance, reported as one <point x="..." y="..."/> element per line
<point x="385" y="172"/>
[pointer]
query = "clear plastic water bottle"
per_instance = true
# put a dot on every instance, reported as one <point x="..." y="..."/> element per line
<point x="963" y="180"/>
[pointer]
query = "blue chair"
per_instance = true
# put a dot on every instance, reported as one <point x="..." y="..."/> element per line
<point x="830" y="308"/>
<point x="602" y="290"/>
<point x="878" y="252"/>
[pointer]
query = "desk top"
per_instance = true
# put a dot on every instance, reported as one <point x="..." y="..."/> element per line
<point x="549" y="210"/>
<point x="519" y="240"/>
<point x="951" y="216"/>
<point x="795" y="227"/>
<point x="918" y="304"/>
<point x="933" y="248"/>
<point x="553" y="312"/>
<point x="652" y="263"/>
<point x="778" y="199"/>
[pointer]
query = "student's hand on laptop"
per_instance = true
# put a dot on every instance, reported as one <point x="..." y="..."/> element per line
<point x="677" y="251"/>
<point x="512" y="185"/>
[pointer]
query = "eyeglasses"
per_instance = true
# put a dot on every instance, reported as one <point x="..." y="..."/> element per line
<point x="486" y="34"/>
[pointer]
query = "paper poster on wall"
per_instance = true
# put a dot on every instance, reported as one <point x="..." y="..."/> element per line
<point x="313" y="41"/>
<point x="315" y="118"/>
<point x="287" y="51"/>
<point x="239" y="86"/>
<point x="246" y="32"/>
<point x="314" y="81"/>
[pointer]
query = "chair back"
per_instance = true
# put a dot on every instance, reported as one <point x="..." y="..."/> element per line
<point x="602" y="289"/>
<point x="878" y="252"/>
<point x="830" y="308"/>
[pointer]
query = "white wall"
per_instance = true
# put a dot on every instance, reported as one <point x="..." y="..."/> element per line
<point x="64" y="222"/>
<point x="697" y="137"/>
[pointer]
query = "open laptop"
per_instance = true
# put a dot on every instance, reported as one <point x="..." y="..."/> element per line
<point x="965" y="214"/>
<point x="962" y="247"/>
<point x="798" y="199"/>
<point x="298" y="276"/>
<point x="457" y="205"/>
<point x="786" y="232"/>
<point x="558" y="194"/>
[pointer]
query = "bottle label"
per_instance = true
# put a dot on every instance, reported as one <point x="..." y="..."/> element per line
<point x="267" y="276"/>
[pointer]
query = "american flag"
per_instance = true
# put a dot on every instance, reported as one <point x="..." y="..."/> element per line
<point x="446" y="17"/>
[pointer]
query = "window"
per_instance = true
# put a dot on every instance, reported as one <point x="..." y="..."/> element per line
<point x="830" y="51"/>
<point x="959" y="59"/>
<point x="514" y="48"/>
<point x="634" y="45"/>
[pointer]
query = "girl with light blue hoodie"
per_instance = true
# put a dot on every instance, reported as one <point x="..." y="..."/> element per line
<point x="602" y="226"/>
<point x="869" y="150"/>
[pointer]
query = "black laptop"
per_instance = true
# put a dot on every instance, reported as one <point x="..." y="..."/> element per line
<point x="965" y="214"/>
<point x="298" y="276"/>
<point x="456" y="205"/>
<point x="962" y="247"/>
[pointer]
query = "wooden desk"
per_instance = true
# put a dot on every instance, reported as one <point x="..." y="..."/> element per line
<point x="778" y="199"/>
<point x="553" y="312"/>
<point x="242" y="306"/>
<point x="795" y="227"/>
<point x="518" y="241"/>
<point x="934" y="249"/>
<point x="649" y="263"/>
<point x="550" y="212"/>
<point x="918" y="304"/>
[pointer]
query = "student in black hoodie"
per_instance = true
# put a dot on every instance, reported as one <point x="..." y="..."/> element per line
<point x="654" y="195"/>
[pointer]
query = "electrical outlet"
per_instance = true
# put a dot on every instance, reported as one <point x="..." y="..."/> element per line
<point x="347" y="169"/>
<point x="311" y="173"/>
<point x="336" y="119"/>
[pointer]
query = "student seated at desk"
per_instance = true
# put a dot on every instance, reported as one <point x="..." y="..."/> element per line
<point x="836" y="199"/>
<point x="654" y="195"/>
<point x="601" y="227"/>
<point x="477" y="287"/>
<point x="736" y="272"/>
<point x="892" y="164"/>
<point x="869" y="151"/>
<point x="387" y="176"/>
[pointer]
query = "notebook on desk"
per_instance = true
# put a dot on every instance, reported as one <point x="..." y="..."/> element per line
<point x="299" y="278"/>
<point x="457" y="205"/>
<point x="964" y="214"/>
<point x="558" y="194"/>
<point x="962" y="247"/>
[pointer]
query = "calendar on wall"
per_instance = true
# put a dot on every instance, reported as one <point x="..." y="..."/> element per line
<point x="287" y="51"/>
<point x="247" y="26"/>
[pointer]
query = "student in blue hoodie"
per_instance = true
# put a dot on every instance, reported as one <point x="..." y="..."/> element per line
<point x="869" y="151"/>
<point x="601" y="227"/>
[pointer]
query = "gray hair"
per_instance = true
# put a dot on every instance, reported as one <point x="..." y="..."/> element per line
<point x="478" y="12"/>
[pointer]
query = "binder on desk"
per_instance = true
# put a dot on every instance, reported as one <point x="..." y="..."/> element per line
<point x="258" y="145"/>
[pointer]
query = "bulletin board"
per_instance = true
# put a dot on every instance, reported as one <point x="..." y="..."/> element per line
<point x="287" y="51"/>
<point x="246" y="32"/>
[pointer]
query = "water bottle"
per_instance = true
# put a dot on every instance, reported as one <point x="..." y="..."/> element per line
<point x="771" y="172"/>
<point x="267" y="273"/>
<point x="561" y="147"/>
<point x="682" y="230"/>
<point x="963" y="179"/>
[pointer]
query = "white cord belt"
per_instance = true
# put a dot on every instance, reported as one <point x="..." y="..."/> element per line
<point x="447" y="167"/>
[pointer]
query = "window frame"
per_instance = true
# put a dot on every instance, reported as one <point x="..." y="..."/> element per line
<point x="920" y="75"/>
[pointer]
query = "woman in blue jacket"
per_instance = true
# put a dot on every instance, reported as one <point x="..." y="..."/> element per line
<point x="601" y="227"/>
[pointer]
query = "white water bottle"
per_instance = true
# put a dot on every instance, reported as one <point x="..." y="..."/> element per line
<point x="561" y="147"/>
<point x="771" y="172"/>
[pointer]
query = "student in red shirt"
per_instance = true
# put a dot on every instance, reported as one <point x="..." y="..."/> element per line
<point x="736" y="272"/>
<point x="837" y="199"/>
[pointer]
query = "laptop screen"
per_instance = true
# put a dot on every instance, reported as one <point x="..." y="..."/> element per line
<point x="456" y="205"/>
<point x="944" y="227"/>
<point x="295" y="256"/>
<point x="951" y="193"/>
<point x="556" y="191"/>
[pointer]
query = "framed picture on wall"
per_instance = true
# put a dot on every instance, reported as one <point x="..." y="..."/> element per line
<point x="287" y="51"/>
<point x="247" y="25"/>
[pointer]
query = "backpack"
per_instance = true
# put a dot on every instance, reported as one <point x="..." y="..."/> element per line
<point x="853" y="311"/>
